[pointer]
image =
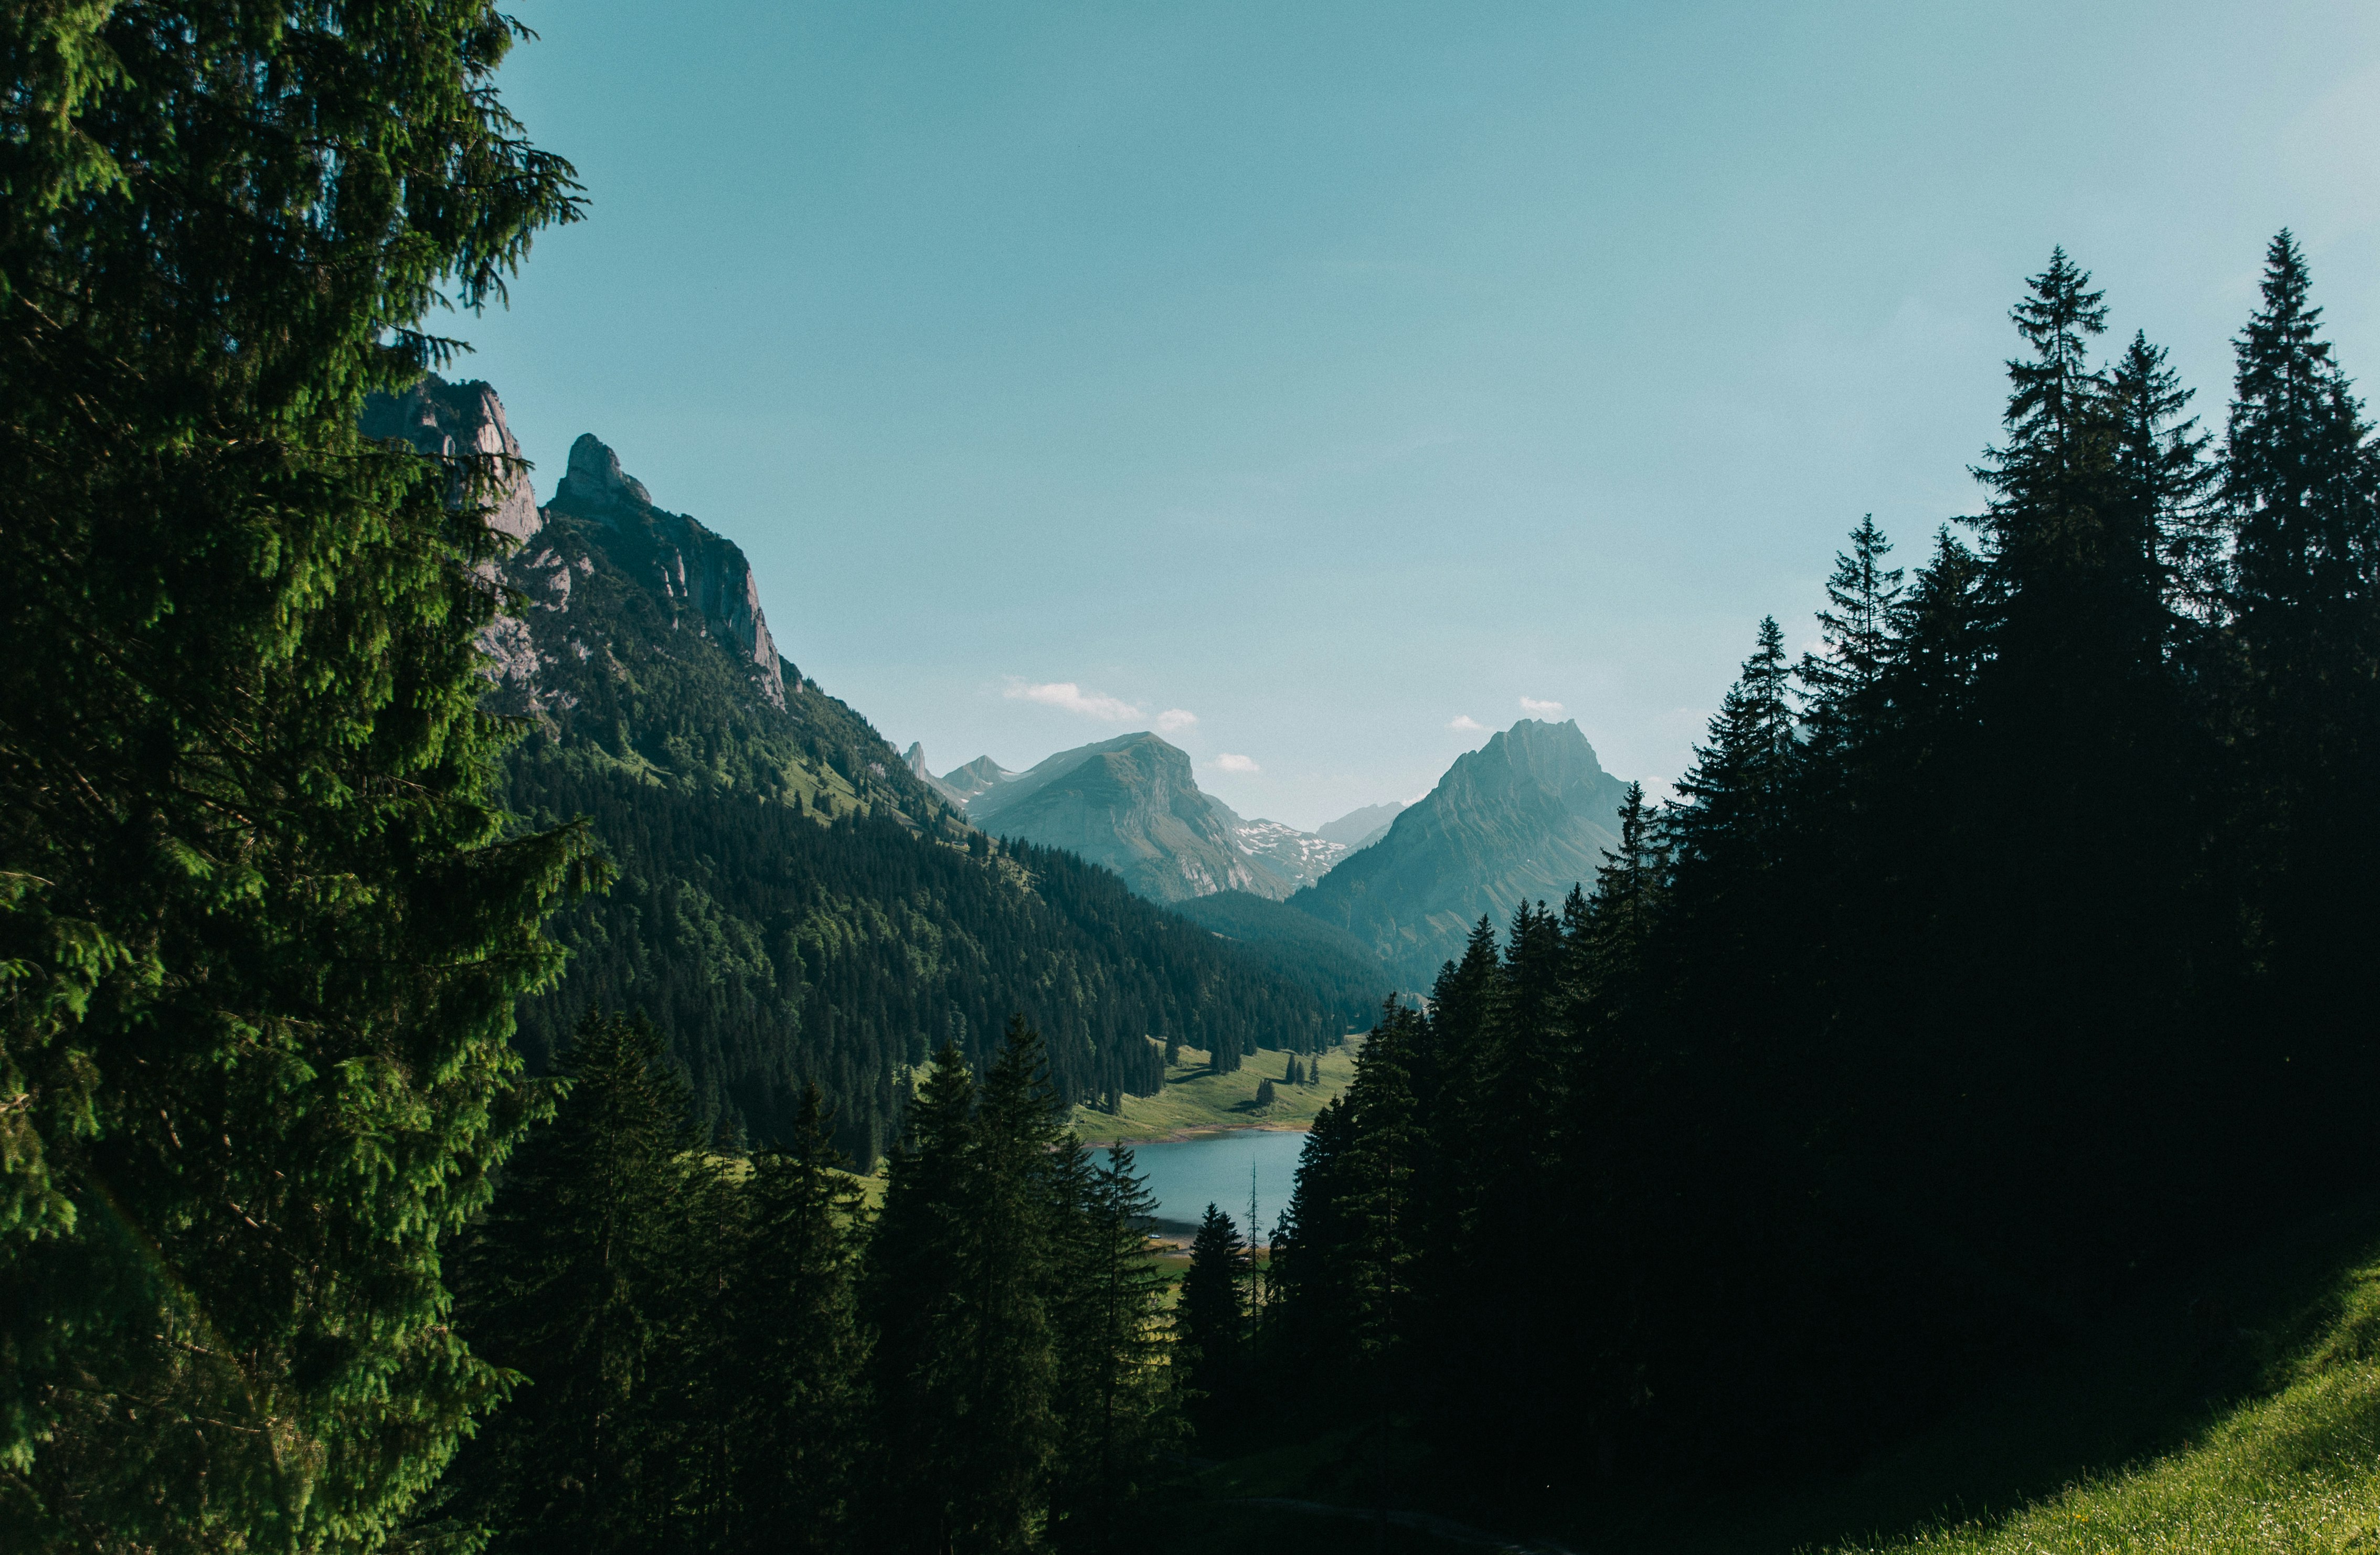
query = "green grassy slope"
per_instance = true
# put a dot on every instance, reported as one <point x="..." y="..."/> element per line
<point x="1196" y="1099"/>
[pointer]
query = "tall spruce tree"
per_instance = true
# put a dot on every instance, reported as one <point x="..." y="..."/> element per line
<point x="262" y="933"/>
<point x="1212" y="1322"/>
<point x="1845" y="682"/>
<point x="796" y="1408"/>
<point x="2301" y="497"/>
<point x="578" y="1280"/>
<point x="915" y="1298"/>
<point x="1113" y="1381"/>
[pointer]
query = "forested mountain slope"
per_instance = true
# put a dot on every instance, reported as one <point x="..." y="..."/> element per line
<point x="796" y="903"/>
<point x="1525" y="817"/>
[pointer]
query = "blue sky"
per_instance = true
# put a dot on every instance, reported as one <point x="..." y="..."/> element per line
<point x="1341" y="374"/>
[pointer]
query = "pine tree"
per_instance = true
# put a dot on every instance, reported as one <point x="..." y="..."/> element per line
<point x="262" y="931"/>
<point x="1627" y="897"/>
<point x="2163" y="478"/>
<point x="1844" y="684"/>
<point x="2301" y="498"/>
<point x="915" y="1298"/>
<point x="799" y="1417"/>
<point x="2047" y="480"/>
<point x="1114" y="1382"/>
<point x="2297" y="478"/>
<point x="1213" y="1321"/>
<point x="575" y="1281"/>
<point x="1734" y="802"/>
<point x="1019" y="1204"/>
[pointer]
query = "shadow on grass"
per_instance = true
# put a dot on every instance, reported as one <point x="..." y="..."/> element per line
<point x="2156" y="1376"/>
<point x="2161" y="1374"/>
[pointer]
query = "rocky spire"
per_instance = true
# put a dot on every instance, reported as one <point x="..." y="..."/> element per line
<point x="595" y="478"/>
<point x="696" y="571"/>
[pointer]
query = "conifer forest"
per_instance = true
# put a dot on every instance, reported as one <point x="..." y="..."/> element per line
<point x="429" y="1126"/>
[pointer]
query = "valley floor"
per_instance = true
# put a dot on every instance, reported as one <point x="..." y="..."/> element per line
<point x="1196" y="1100"/>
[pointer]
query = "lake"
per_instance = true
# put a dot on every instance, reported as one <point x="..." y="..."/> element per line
<point x="1188" y="1175"/>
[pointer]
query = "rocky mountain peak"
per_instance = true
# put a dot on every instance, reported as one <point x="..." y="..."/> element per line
<point x="595" y="478"/>
<point x="1523" y="818"/>
<point x="701" y="577"/>
<point x="462" y="420"/>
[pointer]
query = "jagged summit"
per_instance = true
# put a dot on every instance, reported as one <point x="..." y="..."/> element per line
<point x="701" y="576"/>
<point x="595" y="481"/>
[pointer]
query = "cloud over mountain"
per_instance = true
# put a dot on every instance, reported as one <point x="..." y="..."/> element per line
<point x="1070" y="697"/>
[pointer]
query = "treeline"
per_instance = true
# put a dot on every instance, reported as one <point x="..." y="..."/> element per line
<point x="720" y="1354"/>
<point x="2011" y="950"/>
<point x="779" y="951"/>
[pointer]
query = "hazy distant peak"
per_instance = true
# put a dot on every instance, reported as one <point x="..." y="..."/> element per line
<point x="1360" y="827"/>
<point x="1523" y="818"/>
<point x="966" y="782"/>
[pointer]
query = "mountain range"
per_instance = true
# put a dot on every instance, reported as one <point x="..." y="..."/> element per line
<point x="1526" y="817"/>
<point x="796" y="904"/>
<point x="1134" y="804"/>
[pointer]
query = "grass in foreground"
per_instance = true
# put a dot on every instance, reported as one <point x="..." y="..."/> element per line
<point x="2296" y="1470"/>
<point x="2236" y="1412"/>
<point x="1196" y="1098"/>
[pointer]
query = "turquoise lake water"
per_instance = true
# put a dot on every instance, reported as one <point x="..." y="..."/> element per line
<point x="1188" y="1175"/>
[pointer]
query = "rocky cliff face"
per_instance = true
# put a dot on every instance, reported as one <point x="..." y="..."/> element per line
<point x="702" y="576"/>
<point x="699" y="578"/>
<point x="915" y="760"/>
<point x="1130" y="804"/>
<point x="1525" y="817"/>
<point x="462" y="420"/>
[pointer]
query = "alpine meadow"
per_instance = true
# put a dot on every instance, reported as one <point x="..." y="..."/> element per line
<point x="497" y="1059"/>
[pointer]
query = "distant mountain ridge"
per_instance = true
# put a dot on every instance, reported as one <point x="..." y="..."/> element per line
<point x="974" y="778"/>
<point x="1132" y="804"/>
<point x="1361" y="829"/>
<point x="1523" y="818"/>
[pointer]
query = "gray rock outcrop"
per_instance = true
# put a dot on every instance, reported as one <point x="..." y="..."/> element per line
<point x="461" y="421"/>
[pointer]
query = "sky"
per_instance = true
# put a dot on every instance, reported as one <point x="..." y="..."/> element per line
<point x="1328" y="385"/>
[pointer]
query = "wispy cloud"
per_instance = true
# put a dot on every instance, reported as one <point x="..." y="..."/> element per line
<point x="1072" y="697"/>
<point x="1175" y="718"/>
<point x="1465" y="721"/>
<point x="1537" y="709"/>
<point x="1227" y="762"/>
